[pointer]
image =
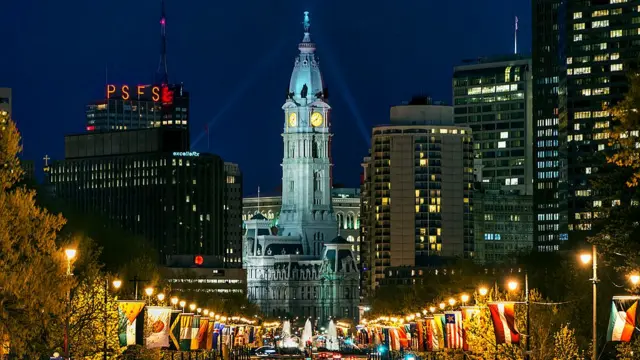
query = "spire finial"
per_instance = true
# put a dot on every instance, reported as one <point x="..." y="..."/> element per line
<point x="163" y="72"/>
<point x="258" y="198"/>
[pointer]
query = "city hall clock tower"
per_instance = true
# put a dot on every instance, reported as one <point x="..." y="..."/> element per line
<point x="306" y="165"/>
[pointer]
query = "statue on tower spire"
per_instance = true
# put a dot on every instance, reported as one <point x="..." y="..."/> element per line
<point x="307" y="28"/>
<point x="307" y="24"/>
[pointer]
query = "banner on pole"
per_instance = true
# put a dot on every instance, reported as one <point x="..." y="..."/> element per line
<point x="130" y="320"/>
<point x="157" y="327"/>
<point x="623" y="318"/>
<point x="503" y="315"/>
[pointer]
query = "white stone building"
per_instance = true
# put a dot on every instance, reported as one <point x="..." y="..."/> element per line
<point x="302" y="267"/>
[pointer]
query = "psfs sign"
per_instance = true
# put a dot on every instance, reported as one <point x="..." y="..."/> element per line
<point x="156" y="93"/>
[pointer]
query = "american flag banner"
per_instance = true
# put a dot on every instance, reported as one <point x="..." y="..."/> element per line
<point x="453" y="321"/>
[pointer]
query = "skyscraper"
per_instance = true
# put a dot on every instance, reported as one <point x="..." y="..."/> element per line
<point x="493" y="97"/>
<point x="419" y="191"/>
<point x="581" y="51"/>
<point x="304" y="270"/>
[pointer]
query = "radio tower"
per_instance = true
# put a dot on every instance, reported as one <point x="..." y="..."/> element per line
<point x="162" y="72"/>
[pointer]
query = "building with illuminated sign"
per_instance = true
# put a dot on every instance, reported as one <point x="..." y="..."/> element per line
<point x="418" y="186"/>
<point x="302" y="267"/>
<point x="128" y="107"/>
<point x="146" y="182"/>
<point x="346" y="205"/>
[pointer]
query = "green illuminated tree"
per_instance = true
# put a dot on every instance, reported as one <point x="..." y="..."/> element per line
<point x="33" y="281"/>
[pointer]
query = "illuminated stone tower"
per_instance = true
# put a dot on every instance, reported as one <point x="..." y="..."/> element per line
<point x="306" y="165"/>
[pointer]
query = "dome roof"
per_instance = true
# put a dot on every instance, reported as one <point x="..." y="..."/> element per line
<point x="306" y="70"/>
<point x="339" y="240"/>
<point x="258" y="216"/>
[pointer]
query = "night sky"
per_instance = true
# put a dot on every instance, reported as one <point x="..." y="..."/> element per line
<point x="235" y="58"/>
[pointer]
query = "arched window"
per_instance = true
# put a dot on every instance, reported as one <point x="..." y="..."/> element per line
<point x="350" y="238"/>
<point x="349" y="221"/>
<point x="340" y="220"/>
<point x="314" y="148"/>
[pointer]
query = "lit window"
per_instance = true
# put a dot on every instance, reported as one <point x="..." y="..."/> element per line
<point x="599" y="24"/>
<point x="616" y="67"/>
<point x="504" y="135"/>
<point x="582" y="70"/>
<point x="577" y="15"/>
<point x="502" y="144"/>
<point x="615" y="33"/>
<point x="577" y="37"/>
<point x="600" y="13"/>
<point x="578" y="26"/>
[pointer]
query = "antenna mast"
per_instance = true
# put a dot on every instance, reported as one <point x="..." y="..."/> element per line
<point x="515" y="38"/>
<point x="258" y="199"/>
<point x="163" y="72"/>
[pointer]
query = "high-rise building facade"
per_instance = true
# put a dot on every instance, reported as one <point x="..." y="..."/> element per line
<point x="581" y="52"/>
<point x="419" y="177"/>
<point x="137" y="179"/>
<point x="233" y="214"/>
<point x="301" y="267"/>
<point x="549" y="154"/>
<point x="493" y="97"/>
<point x="602" y="45"/>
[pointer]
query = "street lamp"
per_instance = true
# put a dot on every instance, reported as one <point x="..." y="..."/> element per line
<point x="593" y="258"/>
<point x="161" y="297"/>
<point x="205" y="312"/>
<point x="192" y="307"/>
<point x="174" y="301"/>
<point x="149" y="292"/>
<point x="634" y="278"/>
<point x="483" y="291"/>
<point x="452" y="301"/>
<point x="442" y="305"/>
<point x="512" y="285"/>
<point x="116" y="285"/>
<point x="432" y="309"/>
<point x="70" y="255"/>
<point x="182" y="304"/>
<point x="464" y="298"/>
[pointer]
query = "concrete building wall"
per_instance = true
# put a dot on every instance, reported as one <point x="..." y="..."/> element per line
<point x="403" y="244"/>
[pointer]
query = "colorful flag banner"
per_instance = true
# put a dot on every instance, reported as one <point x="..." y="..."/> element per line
<point x="202" y="333"/>
<point x="453" y="320"/>
<point x="128" y="313"/>
<point x="195" y="328"/>
<point x="174" y="334"/>
<point x="157" y="327"/>
<point x="186" y="321"/>
<point x="209" y="334"/>
<point x="437" y="332"/>
<point x="503" y="315"/>
<point x="622" y="321"/>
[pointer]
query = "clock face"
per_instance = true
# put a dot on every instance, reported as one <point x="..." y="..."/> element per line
<point x="293" y="120"/>
<point x="316" y="119"/>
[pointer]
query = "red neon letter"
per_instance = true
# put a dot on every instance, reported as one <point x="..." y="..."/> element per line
<point x="110" y="90"/>
<point x="125" y="92"/>
<point x="156" y="93"/>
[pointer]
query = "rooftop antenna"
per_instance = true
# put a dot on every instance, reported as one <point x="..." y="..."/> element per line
<point x="258" y="199"/>
<point x="515" y="38"/>
<point x="163" y="72"/>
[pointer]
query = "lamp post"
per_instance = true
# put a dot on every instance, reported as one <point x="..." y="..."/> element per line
<point x="182" y="304"/>
<point x="116" y="284"/>
<point x="512" y="285"/>
<point x="70" y="254"/>
<point x="593" y="258"/>
<point x="174" y="301"/>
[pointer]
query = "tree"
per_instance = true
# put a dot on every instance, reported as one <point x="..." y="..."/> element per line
<point x="565" y="345"/>
<point x="33" y="281"/>
<point x="625" y="135"/>
<point x="628" y="350"/>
